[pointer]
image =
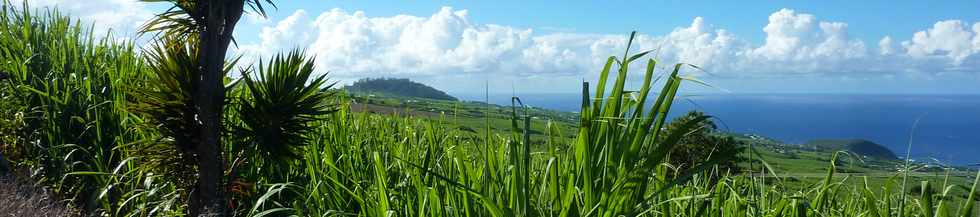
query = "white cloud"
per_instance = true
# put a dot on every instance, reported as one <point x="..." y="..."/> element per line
<point x="123" y="17"/>
<point x="886" y="46"/>
<point x="949" y="38"/>
<point x="696" y="44"/>
<point x="799" y="43"/>
<point x="786" y="33"/>
<point x="354" y="45"/>
<point x="448" y="44"/>
<point x="976" y="37"/>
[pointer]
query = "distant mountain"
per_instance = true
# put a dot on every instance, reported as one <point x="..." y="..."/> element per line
<point x="858" y="146"/>
<point x="397" y="87"/>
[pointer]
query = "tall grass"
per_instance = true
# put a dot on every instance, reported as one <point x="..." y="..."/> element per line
<point x="77" y="134"/>
<point x="87" y="140"/>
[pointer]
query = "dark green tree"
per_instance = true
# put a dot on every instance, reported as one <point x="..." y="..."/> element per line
<point x="703" y="146"/>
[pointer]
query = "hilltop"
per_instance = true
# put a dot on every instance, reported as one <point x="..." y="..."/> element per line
<point x="858" y="146"/>
<point x="397" y="87"/>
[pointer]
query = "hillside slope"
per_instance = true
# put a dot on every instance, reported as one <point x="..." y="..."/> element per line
<point x="858" y="146"/>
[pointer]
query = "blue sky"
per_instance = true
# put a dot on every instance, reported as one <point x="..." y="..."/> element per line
<point x="869" y="20"/>
<point x="552" y="46"/>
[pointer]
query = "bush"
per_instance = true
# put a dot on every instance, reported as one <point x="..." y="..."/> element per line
<point x="703" y="146"/>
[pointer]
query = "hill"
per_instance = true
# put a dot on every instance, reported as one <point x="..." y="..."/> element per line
<point x="397" y="87"/>
<point x="859" y="146"/>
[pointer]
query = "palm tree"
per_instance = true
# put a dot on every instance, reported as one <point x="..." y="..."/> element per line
<point x="211" y="23"/>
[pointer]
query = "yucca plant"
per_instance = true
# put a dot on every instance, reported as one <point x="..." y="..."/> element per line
<point x="281" y="101"/>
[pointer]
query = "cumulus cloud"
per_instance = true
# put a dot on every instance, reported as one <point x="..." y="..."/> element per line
<point x="798" y="42"/>
<point x="697" y="44"/>
<point x="950" y="38"/>
<point x="123" y="17"/>
<point x="354" y="44"/>
<point x="886" y="46"/>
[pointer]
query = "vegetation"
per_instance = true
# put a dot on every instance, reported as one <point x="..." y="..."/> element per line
<point x="397" y="87"/>
<point x="206" y="28"/>
<point x="63" y="106"/>
<point x="109" y="129"/>
<point x="703" y="145"/>
<point x="469" y="117"/>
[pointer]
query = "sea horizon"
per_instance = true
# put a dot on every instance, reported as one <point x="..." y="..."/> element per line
<point x="944" y="132"/>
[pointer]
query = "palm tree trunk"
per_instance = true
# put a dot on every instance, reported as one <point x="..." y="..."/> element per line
<point x="220" y="19"/>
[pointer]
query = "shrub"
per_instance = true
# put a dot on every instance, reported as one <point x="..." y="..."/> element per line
<point x="704" y="146"/>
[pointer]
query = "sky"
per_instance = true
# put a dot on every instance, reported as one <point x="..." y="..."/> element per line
<point x="886" y="47"/>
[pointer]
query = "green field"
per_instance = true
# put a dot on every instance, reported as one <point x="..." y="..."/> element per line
<point x="802" y="167"/>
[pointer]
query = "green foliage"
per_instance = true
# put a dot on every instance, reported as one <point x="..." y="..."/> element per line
<point x="185" y="19"/>
<point x="397" y="87"/>
<point x="619" y="148"/>
<point x="213" y="22"/>
<point x="279" y="106"/>
<point x="166" y="98"/>
<point x="703" y="144"/>
<point x="11" y="121"/>
<point x="71" y="124"/>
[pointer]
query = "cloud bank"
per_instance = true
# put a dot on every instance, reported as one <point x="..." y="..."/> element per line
<point x="447" y="43"/>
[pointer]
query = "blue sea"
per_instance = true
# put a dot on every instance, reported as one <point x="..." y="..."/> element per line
<point x="948" y="130"/>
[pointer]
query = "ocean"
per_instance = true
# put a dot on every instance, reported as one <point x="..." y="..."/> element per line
<point x="948" y="130"/>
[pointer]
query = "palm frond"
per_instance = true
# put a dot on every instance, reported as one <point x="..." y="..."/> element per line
<point x="256" y="6"/>
<point x="167" y="97"/>
<point x="181" y="20"/>
<point x="186" y="17"/>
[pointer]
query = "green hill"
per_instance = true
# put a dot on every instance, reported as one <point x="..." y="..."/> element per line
<point x="858" y="146"/>
<point x="397" y="87"/>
